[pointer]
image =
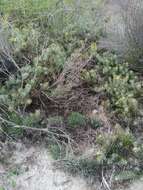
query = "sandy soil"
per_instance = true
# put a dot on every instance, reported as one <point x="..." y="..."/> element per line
<point x="32" y="168"/>
<point x="35" y="171"/>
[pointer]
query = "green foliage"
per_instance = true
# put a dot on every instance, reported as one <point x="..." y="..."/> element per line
<point x="91" y="168"/>
<point x="76" y="119"/>
<point x="117" y="148"/>
<point x="12" y="119"/>
<point x="117" y="80"/>
<point x="89" y="77"/>
<point x="45" y="68"/>
<point x="122" y="145"/>
<point x="51" y="60"/>
<point x="41" y="44"/>
<point x="93" y="49"/>
<point x="84" y="167"/>
<point x="95" y="123"/>
<point x="57" y="151"/>
<point x="24" y="38"/>
<point x="121" y="84"/>
<point x="138" y="152"/>
<point x="123" y="95"/>
<point x="25" y="9"/>
<point x="44" y="36"/>
<point x="126" y="175"/>
<point x="2" y="188"/>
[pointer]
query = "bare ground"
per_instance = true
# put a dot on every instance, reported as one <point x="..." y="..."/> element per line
<point x="32" y="168"/>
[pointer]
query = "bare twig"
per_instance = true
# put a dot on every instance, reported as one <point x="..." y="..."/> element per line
<point x="106" y="185"/>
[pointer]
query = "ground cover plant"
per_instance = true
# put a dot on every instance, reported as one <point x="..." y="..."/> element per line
<point x="63" y="86"/>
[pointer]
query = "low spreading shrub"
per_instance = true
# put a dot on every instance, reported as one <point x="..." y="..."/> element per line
<point x="57" y="151"/>
<point x="12" y="122"/>
<point x="89" y="77"/>
<point x="54" y="45"/>
<point x="121" y="84"/>
<point x="76" y="119"/>
<point x="84" y="167"/>
<point x="120" y="148"/>
<point x="95" y="123"/>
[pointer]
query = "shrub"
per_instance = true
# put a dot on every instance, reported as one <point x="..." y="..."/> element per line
<point x="24" y="38"/>
<point x="57" y="151"/>
<point x="84" y="167"/>
<point x="19" y="89"/>
<point x="41" y="46"/>
<point x="120" y="83"/>
<point x="12" y="122"/>
<point x="25" y="9"/>
<point x="122" y="145"/>
<point x="126" y="176"/>
<point x="89" y="77"/>
<point x="117" y="148"/>
<point x="95" y="123"/>
<point x="122" y="96"/>
<point x="41" y="36"/>
<point x="76" y="119"/>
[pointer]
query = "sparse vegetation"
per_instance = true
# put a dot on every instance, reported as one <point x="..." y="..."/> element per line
<point x="59" y="77"/>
